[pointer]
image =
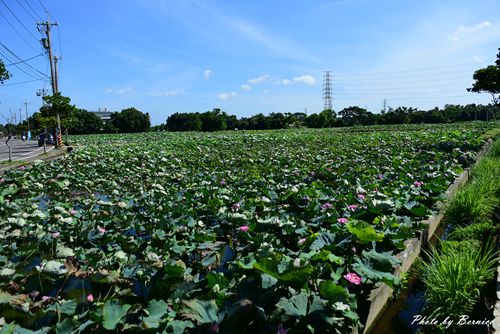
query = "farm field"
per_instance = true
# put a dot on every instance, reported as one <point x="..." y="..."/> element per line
<point x="281" y="231"/>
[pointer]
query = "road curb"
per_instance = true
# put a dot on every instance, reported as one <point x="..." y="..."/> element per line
<point x="49" y="156"/>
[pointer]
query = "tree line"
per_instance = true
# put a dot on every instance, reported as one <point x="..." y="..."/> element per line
<point x="217" y="120"/>
<point x="78" y="121"/>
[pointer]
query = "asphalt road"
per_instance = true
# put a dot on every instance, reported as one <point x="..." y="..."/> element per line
<point x="20" y="150"/>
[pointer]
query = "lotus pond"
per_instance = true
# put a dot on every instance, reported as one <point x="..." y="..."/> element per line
<point x="258" y="232"/>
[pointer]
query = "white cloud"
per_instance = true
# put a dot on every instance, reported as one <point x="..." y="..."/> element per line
<point x="207" y="73"/>
<point x="226" y="96"/>
<point x="119" y="90"/>
<point x="477" y="59"/>
<point x="286" y="82"/>
<point x="306" y="79"/>
<point x="246" y="87"/>
<point x="463" y="30"/>
<point x="259" y="80"/>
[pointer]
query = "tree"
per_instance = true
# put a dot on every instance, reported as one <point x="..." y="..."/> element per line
<point x="488" y="80"/>
<point x="214" y="120"/>
<point x="4" y="74"/>
<point x="130" y="120"/>
<point x="86" y="122"/>
<point x="184" y="122"/>
<point x="356" y="116"/>
<point x="54" y="105"/>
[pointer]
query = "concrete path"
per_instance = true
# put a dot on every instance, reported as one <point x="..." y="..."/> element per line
<point x="21" y="150"/>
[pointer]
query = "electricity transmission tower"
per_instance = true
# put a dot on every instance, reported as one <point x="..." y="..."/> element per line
<point x="327" y="91"/>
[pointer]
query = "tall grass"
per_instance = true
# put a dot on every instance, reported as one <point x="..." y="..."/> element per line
<point x="495" y="148"/>
<point x="471" y="204"/>
<point x="455" y="276"/>
<point x="486" y="175"/>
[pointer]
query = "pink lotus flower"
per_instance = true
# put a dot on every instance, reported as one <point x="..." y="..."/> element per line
<point x="352" y="207"/>
<point x="55" y="234"/>
<point x="236" y="206"/>
<point x="342" y="220"/>
<point x="353" y="278"/>
<point x="281" y="330"/>
<point x="214" y="327"/>
<point x="361" y="196"/>
<point x="90" y="298"/>
<point x="302" y="240"/>
<point x="417" y="183"/>
<point x="45" y="298"/>
<point x="2" y="180"/>
<point x="222" y="182"/>
<point x="244" y="228"/>
<point x="380" y="176"/>
<point x="72" y="212"/>
<point x="326" y="206"/>
<point x="22" y="168"/>
<point x="101" y="229"/>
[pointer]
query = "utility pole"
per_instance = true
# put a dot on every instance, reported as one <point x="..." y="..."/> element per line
<point x="385" y="106"/>
<point x="44" y="28"/>
<point x="28" y="135"/>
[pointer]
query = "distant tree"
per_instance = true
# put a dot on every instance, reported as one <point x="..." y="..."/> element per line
<point x="231" y="122"/>
<point x="214" y="120"/>
<point x="86" y="122"/>
<point x="315" y="121"/>
<point x="488" y="80"/>
<point x="277" y="121"/>
<point x="130" y="120"/>
<point x="258" y="122"/>
<point x="400" y="115"/>
<point x="184" y="122"/>
<point x="328" y="116"/>
<point x="4" y="74"/>
<point x="357" y="116"/>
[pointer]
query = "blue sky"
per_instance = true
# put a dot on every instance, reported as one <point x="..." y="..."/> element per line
<point x="251" y="56"/>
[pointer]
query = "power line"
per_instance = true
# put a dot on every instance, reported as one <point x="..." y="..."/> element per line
<point x="402" y="81"/>
<point x="46" y="10"/>
<point x="20" y="22"/>
<point x="19" y="59"/>
<point x="405" y="71"/>
<point x="20" y="35"/>
<point x="33" y="10"/>
<point x="29" y="74"/>
<point x="428" y="93"/>
<point x="59" y="38"/>
<point x="356" y="87"/>
<point x="406" y="77"/>
<point x="20" y="4"/>
<point x="25" y="60"/>
<point x="440" y="97"/>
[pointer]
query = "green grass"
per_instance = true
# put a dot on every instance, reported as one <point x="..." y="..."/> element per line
<point x="455" y="277"/>
<point x="480" y="231"/>
<point x="471" y="204"/>
<point x="495" y="148"/>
